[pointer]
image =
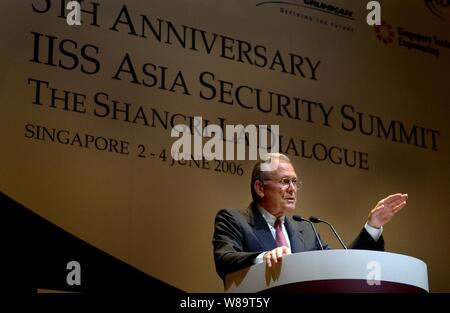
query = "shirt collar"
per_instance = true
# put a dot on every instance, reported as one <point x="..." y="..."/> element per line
<point x="269" y="218"/>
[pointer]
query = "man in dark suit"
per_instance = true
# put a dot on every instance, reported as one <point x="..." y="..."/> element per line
<point x="264" y="233"/>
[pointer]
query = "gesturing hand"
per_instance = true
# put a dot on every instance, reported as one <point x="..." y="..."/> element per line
<point x="386" y="209"/>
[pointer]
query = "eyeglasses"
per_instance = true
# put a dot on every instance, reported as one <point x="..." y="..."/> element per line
<point x="285" y="182"/>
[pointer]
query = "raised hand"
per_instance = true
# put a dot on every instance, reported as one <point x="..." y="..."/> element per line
<point x="386" y="208"/>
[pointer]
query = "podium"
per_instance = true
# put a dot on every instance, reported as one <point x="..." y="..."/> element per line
<point x="333" y="271"/>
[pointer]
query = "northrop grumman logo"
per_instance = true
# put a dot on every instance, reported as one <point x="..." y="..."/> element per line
<point x="440" y="8"/>
<point x="321" y="6"/>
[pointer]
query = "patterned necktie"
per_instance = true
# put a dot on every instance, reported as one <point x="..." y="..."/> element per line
<point x="279" y="235"/>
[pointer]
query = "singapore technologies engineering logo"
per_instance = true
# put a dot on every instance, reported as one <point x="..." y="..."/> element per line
<point x="384" y="32"/>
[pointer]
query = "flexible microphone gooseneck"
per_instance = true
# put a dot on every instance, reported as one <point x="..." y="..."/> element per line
<point x="315" y="219"/>
<point x="299" y="218"/>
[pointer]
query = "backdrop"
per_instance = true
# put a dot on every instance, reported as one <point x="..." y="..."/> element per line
<point x="87" y="113"/>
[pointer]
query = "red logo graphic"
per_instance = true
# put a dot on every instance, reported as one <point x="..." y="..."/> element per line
<point x="384" y="32"/>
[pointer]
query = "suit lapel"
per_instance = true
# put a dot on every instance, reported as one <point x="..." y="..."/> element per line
<point x="295" y="233"/>
<point x="262" y="231"/>
<point x="265" y="237"/>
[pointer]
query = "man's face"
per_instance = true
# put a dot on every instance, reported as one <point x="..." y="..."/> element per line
<point x="280" y="199"/>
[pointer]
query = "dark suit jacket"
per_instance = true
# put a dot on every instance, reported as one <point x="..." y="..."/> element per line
<point x="240" y="235"/>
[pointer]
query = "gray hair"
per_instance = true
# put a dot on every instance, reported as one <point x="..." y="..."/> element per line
<point x="260" y="174"/>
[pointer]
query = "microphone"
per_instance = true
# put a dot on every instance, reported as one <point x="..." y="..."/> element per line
<point x="299" y="218"/>
<point x="315" y="219"/>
